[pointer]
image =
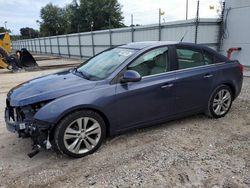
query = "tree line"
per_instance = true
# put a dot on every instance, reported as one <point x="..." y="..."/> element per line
<point x="78" y="16"/>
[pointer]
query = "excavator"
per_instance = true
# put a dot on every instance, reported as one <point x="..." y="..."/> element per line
<point x="20" y="60"/>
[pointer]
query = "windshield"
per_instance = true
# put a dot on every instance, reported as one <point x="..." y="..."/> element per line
<point x="102" y="65"/>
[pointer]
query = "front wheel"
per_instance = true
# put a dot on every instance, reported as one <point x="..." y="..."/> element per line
<point x="80" y="133"/>
<point x="220" y="102"/>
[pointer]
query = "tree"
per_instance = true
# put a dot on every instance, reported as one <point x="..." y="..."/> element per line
<point x="53" y="20"/>
<point x="103" y="14"/>
<point x="73" y="17"/>
<point x="2" y="30"/>
<point x="76" y="17"/>
<point x="29" y="33"/>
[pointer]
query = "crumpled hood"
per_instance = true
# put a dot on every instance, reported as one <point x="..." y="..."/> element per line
<point x="48" y="87"/>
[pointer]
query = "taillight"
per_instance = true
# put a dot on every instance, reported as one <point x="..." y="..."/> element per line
<point x="241" y="68"/>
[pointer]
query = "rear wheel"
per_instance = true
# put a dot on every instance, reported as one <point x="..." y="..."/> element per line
<point x="80" y="133"/>
<point x="220" y="102"/>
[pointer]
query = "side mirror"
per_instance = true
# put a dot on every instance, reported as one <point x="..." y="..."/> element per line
<point x="130" y="76"/>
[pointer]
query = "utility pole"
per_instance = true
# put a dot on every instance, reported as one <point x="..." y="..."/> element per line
<point x="132" y="20"/>
<point x="160" y="14"/>
<point x="29" y="33"/>
<point x="186" y="9"/>
<point x="197" y="21"/>
<point x="109" y="23"/>
<point x="159" y="38"/>
<point x="110" y="34"/>
<point x="132" y="27"/>
<point x="5" y="24"/>
<point x="39" y="23"/>
<point x="92" y="37"/>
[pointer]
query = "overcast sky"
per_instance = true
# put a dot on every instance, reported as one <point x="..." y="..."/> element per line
<point x="24" y="13"/>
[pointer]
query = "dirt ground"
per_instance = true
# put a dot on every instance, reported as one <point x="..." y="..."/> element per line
<point x="190" y="152"/>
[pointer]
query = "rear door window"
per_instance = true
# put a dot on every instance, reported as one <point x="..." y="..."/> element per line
<point x="208" y="58"/>
<point x="188" y="58"/>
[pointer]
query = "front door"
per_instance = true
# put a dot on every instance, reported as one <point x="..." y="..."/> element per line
<point x="150" y="99"/>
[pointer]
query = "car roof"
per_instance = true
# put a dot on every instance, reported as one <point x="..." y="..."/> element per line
<point x="141" y="45"/>
<point x="146" y="44"/>
<point x="152" y="44"/>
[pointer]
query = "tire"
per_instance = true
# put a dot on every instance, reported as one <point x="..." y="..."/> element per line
<point x="220" y="102"/>
<point x="80" y="133"/>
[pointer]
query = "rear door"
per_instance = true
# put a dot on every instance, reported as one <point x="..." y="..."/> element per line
<point x="194" y="78"/>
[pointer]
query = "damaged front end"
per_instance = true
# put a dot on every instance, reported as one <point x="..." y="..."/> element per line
<point x="20" y="120"/>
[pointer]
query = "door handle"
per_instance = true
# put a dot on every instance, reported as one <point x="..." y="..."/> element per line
<point x="208" y="76"/>
<point x="167" y="86"/>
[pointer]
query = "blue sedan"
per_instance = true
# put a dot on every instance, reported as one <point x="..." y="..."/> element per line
<point x="122" y="88"/>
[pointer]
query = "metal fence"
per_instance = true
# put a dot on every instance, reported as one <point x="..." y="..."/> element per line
<point x="87" y="44"/>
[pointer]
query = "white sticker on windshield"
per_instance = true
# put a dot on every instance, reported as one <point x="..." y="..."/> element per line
<point x="125" y="53"/>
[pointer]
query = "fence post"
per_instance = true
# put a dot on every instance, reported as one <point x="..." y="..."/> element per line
<point x="58" y="45"/>
<point x="80" y="45"/>
<point x="26" y="44"/>
<point x="110" y="38"/>
<point x="45" y="45"/>
<point x="40" y="45"/>
<point x="35" y="45"/>
<point x="51" y="52"/>
<point x="132" y="33"/>
<point x="32" y="45"/>
<point x="67" y="40"/>
<point x="159" y="32"/>
<point x="93" y="44"/>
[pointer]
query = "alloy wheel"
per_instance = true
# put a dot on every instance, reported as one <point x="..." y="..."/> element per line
<point x="222" y="102"/>
<point x="82" y="135"/>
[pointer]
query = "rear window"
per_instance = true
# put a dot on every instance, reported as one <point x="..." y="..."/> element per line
<point x="214" y="56"/>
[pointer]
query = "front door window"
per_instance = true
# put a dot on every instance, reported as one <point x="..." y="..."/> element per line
<point x="152" y="62"/>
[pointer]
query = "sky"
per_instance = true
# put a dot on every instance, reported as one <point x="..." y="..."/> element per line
<point x="24" y="13"/>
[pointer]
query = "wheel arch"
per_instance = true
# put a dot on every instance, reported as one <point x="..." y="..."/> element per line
<point x="227" y="84"/>
<point x="79" y="108"/>
<point x="232" y="87"/>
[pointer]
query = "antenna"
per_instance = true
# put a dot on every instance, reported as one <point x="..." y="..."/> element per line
<point x="183" y="36"/>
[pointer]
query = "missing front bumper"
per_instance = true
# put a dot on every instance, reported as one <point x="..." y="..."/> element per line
<point x="38" y="131"/>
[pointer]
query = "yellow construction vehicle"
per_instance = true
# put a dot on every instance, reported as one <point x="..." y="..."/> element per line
<point x="5" y="42"/>
<point x="22" y="59"/>
<point x="5" y="48"/>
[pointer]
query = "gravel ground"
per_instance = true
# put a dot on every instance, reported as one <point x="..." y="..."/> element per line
<point x="190" y="152"/>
